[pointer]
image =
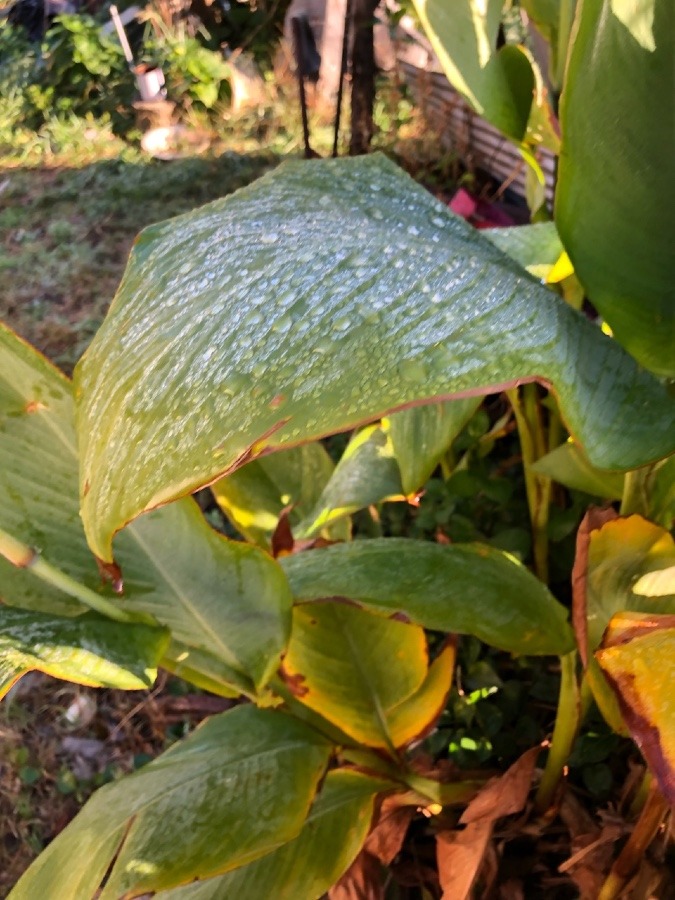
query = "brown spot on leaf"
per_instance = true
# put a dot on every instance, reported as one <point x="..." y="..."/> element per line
<point x="594" y="519"/>
<point x="111" y="572"/>
<point x="276" y="401"/>
<point x="34" y="406"/>
<point x="294" y="682"/>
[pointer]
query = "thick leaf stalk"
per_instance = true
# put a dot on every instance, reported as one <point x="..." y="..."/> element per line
<point x="564" y="733"/>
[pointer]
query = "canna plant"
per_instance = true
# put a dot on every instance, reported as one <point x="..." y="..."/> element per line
<point x="327" y="297"/>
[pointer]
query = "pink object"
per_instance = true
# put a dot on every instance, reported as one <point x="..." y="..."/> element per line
<point x="479" y="213"/>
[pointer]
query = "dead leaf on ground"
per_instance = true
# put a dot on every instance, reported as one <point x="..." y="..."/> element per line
<point x="460" y="855"/>
<point x="506" y="794"/>
<point x="363" y="879"/>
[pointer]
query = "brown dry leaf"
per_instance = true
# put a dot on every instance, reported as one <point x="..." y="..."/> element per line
<point x="506" y="794"/>
<point x="594" y="519"/>
<point x="363" y="879"/>
<point x="460" y="855"/>
<point x="592" y="847"/>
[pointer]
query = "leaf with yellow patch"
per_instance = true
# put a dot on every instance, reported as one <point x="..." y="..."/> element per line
<point x="638" y="659"/>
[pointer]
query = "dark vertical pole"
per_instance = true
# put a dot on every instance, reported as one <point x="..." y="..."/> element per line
<point x="343" y="68"/>
<point x="363" y="77"/>
<point x="297" y="48"/>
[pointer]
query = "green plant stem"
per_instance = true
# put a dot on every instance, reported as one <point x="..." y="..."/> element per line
<point x="651" y="817"/>
<point x="641" y="794"/>
<point x="631" y="500"/>
<point x="564" y="732"/>
<point x="533" y="446"/>
<point x="24" y="557"/>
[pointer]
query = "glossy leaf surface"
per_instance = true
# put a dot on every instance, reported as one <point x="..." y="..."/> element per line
<point x="264" y="320"/>
<point x="421" y="436"/>
<point x="89" y="650"/>
<point x="355" y="668"/>
<point x="638" y="658"/>
<point x="189" y="813"/>
<point x="366" y="474"/>
<point x="467" y="589"/>
<point x="306" y="867"/>
<point x="254" y="496"/>
<point x="616" y="170"/>
<point x="227" y="605"/>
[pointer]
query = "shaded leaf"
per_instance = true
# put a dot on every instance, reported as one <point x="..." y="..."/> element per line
<point x="367" y="473"/>
<point x="421" y="437"/>
<point x="505" y="795"/>
<point x="306" y="867"/>
<point x="568" y="465"/>
<point x="638" y="658"/>
<point x="355" y="669"/>
<point x="206" y="787"/>
<point x="464" y="589"/>
<point x="89" y="650"/>
<point x="614" y="139"/>
<point x="332" y="294"/>
<point x="254" y="496"/>
<point x="459" y="855"/>
<point x="227" y="605"/>
<point x="537" y="248"/>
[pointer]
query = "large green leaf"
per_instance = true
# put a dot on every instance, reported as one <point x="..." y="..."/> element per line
<point x="324" y="295"/>
<point x="366" y="474"/>
<point x="305" y="868"/>
<point x="90" y="650"/>
<point x="227" y="605"/>
<point x="468" y="589"/>
<point x="616" y="175"/>
<point x="238" y="788"/>
<point x="421" y="436"/>
<point x="254" y="496"/>
<point x="567" y="465"/>
<point x="355" y="668"/>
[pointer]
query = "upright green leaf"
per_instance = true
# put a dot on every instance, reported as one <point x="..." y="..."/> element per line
<point x="359" y="295"/>
<point x="366" y="474"/>
<point x="355" y="668"/>
<point x="568" y="465"/>
<point x="238" y="788"/>
<point x="254" y="496"/>
<point x="227" y="605"/>
<point x="305" y="868"/>
<point x="421" y="437"/>
<point x="616" y="174"/>
<point x="468" y="589"/>
<point x="89" y="650"/>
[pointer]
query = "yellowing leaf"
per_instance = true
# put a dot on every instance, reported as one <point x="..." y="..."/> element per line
<point x="355" y="668"/>
<point x="638" y="659"/>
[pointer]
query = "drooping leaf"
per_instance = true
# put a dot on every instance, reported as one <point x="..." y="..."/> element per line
<point x="364" y="296"/>
<point x="568" y="465"/>
<point x="238" y="788"/>
<point x="89" y="650"/>
<point x="306" y="867"/>
<point x="505" y="795"/>
<point x="227" y="605"/>
<point x="459" y="855"/>
<point x="254" y="496"/>
<point x="421" y="436"/>
<point x="638" y="659"/>
<point x="616" y="171"/>
<point x="467" y="589"/>
<point x="366" y="474"/>
<point x="537" y="248"/>
<point x="355" y="669"/>
<point x="499" y="84"/>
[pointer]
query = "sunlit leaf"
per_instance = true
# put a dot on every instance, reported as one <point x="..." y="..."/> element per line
<point x="254" y="496"/>
<point x="227" y="605"/>
<point x="638" y="658"/>
<point x="359" y="294"/>
<point x="238" y="788"/>
<point x="656" y="584"/>
<point x="536" y="248"/>
<point x="366" y="474"/>
<point x="466" y="589"/>
<point x="307" y="866"/>
<point x="616" y="170"/>
<point x="89" y="650"/>
<point x="355" y="669"/>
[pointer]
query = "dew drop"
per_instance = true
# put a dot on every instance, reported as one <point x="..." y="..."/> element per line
<point x="414" y="230"/>
<point x="436" y="220"/>
<point x="342" y="324"/>
<point x="270" y="237"/>
<point x="412" y="370"/>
